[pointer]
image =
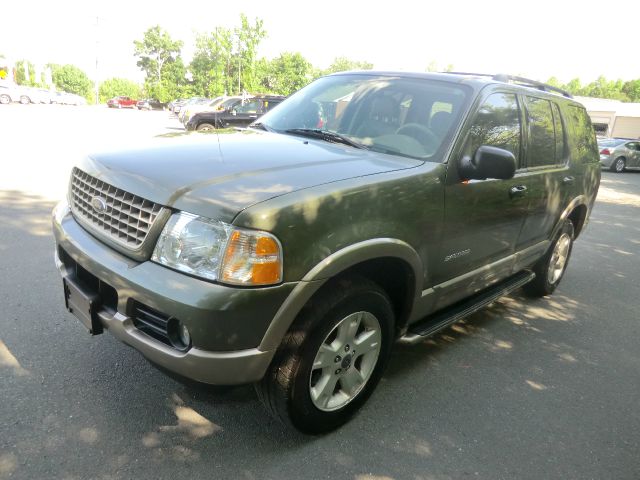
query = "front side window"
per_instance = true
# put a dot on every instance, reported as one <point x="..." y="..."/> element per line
<point x="497" y="124"/>
<point x="542" y="141"/>
<point x="249" y="107"/>
<point x="410" y="117"/>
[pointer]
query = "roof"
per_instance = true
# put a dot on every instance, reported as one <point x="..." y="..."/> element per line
<point x="620" y="109"/>
<point x="476" y="80"/>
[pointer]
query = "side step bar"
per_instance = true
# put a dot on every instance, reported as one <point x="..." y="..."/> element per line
<point x="442" y="319"/>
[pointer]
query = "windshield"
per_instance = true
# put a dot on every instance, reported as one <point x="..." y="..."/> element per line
<point x="404" y="116"/>
<point x="610" y="143"/>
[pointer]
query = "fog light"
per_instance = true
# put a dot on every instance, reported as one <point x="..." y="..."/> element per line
<point x="184" y="335"/>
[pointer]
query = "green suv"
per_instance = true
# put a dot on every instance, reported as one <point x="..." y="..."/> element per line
<point x="367" y="207"/>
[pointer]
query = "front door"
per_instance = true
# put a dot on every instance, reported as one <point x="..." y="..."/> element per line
<point x="483" y="218"/>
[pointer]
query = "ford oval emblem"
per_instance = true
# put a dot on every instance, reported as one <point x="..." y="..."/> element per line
<point x="99" y="204"/>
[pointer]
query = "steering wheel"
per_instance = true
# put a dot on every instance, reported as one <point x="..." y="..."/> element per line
<point x="422" y="134"/>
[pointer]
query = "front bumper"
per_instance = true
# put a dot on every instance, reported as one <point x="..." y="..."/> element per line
<point x="226" y="324"/>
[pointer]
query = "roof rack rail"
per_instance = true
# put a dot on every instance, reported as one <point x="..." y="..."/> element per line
<point x="527" y="82"/>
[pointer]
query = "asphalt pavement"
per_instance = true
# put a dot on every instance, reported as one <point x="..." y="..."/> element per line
<point x="524" y="389"/>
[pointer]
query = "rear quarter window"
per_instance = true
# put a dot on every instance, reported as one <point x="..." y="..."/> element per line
<point x="584" y="137"/>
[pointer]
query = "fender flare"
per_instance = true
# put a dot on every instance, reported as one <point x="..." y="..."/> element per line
<point x="577" y="201"/>
<point x="328" y="268"/>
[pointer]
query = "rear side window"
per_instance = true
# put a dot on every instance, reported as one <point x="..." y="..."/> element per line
<point x="497" y="123"/>
<point x="586" y="149"/>
<point x="542" y="143"/>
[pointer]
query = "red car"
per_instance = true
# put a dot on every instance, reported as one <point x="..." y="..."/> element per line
<point x="120" y="102"/>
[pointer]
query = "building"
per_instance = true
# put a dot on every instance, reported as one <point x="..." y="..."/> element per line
<point x="613" y="118"/>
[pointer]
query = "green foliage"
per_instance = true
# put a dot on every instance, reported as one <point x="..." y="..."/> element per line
<point x="159" y="57"/>
<point x="248" y="38"/>
<point x="71" y="79"/>
<point x="114" y="87"/>
<point x="343" y="64"/>
<point x="21" y="78"/>
<point x="211" y="64"/>
<point x="602" y="88"/>
<point x="285" y="74"/>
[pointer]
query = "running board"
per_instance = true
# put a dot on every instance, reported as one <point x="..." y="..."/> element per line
<point x="436" y="322"/>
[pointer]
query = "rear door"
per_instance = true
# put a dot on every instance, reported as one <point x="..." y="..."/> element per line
<point x="482" y="217"/>
<point x="548" y="179"/>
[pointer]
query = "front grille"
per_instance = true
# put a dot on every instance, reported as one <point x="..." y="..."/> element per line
<point x="151" y="322"/>
<point x="126" y="218"/>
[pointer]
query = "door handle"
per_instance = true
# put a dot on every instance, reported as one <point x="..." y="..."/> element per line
<point x="568" y="180"/>
<point x="517" y="191"/>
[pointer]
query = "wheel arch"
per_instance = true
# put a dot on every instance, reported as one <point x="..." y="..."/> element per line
<point x="391" y="263"/>
<point x="577" y="212"/>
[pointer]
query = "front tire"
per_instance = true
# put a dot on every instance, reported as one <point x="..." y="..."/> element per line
<point x="24" y="100"/>
<point x="332" y="358"/>
<point x="5" y="99"/>
<point x="618" y="165"/>
<point x="550" y="269"/>
<point x="205" y="127"/>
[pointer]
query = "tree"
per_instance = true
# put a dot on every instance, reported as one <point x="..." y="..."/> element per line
<point x="342" y="64"/>
<point x="248" y="38"/>
<point x="114" y="87"/>
<point x="211" y="64"/>
<point x="157" y="53"/>
<point x="632" y="90"/>
<point x="71" y="79"/>
<point x="22" y="68"/>
<point x="287" y="73"/>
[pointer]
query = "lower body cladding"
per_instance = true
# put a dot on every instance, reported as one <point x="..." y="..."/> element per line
<point x="144" y="305"/>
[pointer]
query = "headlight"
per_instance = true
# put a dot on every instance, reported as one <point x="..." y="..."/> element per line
<point x="218" y="251"/>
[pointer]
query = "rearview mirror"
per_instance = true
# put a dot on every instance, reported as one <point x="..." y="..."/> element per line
<point x="488" y="162"/>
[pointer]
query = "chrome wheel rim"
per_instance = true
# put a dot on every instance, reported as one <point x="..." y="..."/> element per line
<point x="559" y="257"/>
<point x="619" y="165"/>
<point x="345" y="361"/>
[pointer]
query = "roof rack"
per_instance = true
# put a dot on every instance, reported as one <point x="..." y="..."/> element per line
<point x="527" y="82"/>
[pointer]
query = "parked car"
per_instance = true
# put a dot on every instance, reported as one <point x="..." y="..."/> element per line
<point x="191" y="101"/>
<point x="618" y="154"/>
<point x="121" y="102"/>
<point x="9" y="92"/>
<point x="365" y="208"/>
<point x="150" y="104"/>
<point x="206" y="105"/>
<point x="175" y="104"/>
<point x="235" y="113"/>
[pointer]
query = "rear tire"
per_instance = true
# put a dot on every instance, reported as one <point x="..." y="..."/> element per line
<point x="550" y="269"/>
<point x="332" y="358"/>
<point x="205" y="127"/>
<point x="24" y="100"/>
<point x="618" y="165"/>
<point x="5" y="99"/>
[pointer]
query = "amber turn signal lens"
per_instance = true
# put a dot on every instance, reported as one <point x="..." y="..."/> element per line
<point x="252" y="258"/>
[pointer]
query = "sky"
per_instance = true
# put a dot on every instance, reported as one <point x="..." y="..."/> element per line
<point x="534" y="39"/>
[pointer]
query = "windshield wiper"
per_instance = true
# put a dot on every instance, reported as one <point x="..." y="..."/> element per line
<point x="325" y="135"/>
<point x="260" y="126"/>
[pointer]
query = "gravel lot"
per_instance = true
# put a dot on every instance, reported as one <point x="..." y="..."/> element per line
<point x="545" y="389"/>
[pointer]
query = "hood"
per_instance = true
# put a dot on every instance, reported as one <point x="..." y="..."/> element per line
<point x="219" y="174"/>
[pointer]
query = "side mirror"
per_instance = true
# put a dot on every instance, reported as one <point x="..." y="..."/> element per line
<point x="234" y="111"/>
<point x="488" y="162"/>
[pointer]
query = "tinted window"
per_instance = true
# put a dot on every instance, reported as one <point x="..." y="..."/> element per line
<point x="585" y="137"/>
<point x="497" y="123"/>
<point x="560" y="137"/>
<point x="542" y="142"/>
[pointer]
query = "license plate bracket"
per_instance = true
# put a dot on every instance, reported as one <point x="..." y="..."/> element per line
<point x="83" y="304"/>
